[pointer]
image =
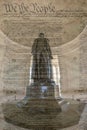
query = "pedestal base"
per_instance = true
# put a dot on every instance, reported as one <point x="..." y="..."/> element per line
<point x="40" y="110"/>
<point x="44" y="106"/>
<point x="40" y="97"/>
<point x="23" y="117"/>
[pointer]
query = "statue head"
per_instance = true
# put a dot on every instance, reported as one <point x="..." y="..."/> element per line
<point x="41" y="35"/>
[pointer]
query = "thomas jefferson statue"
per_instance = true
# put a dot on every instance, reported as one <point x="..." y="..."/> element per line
<point x="42" y="56"/>
<point x="43" y="86"/>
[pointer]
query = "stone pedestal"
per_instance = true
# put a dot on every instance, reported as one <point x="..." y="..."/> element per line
<point x="41" y="98"/>
<point x="31" y="118"/>
<point x="40" y="110"/>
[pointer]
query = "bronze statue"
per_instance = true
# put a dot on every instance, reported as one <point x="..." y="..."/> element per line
<point x="43" y="84"/>
<point x="42" y="56"/>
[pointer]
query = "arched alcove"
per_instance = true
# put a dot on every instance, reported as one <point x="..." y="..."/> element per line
<point x="70" y="58"/>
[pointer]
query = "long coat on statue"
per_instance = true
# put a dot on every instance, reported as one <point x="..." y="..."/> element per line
<point x="41" y="66"/>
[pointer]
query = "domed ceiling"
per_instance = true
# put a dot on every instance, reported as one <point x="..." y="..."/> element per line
<point x="58" y="29"/>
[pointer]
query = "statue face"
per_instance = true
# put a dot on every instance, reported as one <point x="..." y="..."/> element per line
<point x="41" y="35"/>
